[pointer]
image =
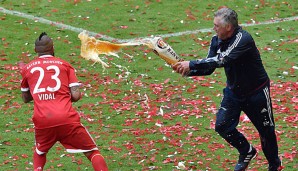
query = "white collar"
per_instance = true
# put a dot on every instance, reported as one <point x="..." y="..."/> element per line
<point x="45" y="56"/>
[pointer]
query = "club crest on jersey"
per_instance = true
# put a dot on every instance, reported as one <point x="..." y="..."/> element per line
<point x="161" y="44"/>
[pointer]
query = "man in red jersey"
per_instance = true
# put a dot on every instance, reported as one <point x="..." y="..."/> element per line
<point x="52" y="84"/>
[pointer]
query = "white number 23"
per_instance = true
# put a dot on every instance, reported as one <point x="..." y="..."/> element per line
<point x="37" y="88"/>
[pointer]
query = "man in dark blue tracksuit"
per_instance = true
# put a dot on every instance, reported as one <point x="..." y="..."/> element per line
<point x="247" y="90"/>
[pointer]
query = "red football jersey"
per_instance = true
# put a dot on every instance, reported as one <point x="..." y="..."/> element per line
<point x="49" y="80"/>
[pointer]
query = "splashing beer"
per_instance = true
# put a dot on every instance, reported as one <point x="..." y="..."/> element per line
<point x="163" y="50"/>
<point x="91" y="48"/>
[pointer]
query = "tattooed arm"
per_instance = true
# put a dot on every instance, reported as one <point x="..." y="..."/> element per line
<point x="75" y="93"/>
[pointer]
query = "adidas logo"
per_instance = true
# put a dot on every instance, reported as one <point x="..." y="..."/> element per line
<point x="263" y="110"/>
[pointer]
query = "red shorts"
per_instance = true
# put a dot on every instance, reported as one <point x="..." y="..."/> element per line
<point x="74" y="137"/>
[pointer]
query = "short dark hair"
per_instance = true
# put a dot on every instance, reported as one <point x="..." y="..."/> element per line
<point x="228" y="16"/>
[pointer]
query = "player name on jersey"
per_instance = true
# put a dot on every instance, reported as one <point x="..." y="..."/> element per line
<point x="49" y="96"/>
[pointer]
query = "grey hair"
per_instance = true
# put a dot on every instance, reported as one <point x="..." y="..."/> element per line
<point x="228" y="16"/>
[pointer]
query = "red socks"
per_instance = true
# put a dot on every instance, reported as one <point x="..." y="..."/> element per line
<point x="96" y="158"/>
<point x="39" y="161"/>
<point x="98" y="161"/>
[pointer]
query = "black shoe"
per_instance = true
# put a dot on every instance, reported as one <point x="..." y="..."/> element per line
<point x="245" y="159"/>
<point x="277" y="167"/>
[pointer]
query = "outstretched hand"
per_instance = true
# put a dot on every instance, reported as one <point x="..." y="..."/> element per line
<point x="181" y="67"/>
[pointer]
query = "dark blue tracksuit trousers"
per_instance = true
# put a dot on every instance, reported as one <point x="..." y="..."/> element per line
<point x="258" y="108"/>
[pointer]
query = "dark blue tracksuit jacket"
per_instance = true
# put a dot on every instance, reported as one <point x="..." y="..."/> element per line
<point x="240" y="59"/>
